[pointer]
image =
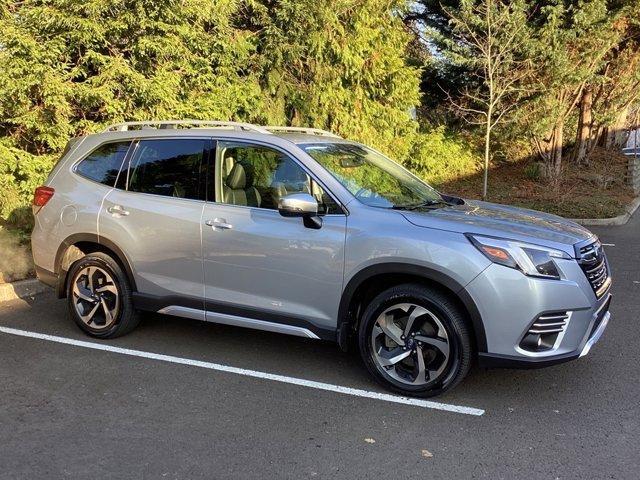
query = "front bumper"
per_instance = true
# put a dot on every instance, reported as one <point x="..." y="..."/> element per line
<point x="488" y="360"/>
<point x="511" y="303"/>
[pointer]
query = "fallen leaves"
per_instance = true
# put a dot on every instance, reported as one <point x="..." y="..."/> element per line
<point x="424" y="453"/>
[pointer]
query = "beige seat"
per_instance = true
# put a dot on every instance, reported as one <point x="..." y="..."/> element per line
<point x="239" y="189"/>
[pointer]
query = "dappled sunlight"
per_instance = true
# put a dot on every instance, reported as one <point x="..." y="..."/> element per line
<point x="599" y="189"/>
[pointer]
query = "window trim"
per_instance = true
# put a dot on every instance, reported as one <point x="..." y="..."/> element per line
<point x="217" y="178"/>
<point x="206" y="154"/>
<point x="74" y="166"/>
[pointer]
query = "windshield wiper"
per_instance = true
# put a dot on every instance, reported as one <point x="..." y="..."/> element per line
<point x="427" y="204"/>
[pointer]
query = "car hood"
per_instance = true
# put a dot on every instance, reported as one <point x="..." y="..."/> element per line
<point x="503" y="221"/>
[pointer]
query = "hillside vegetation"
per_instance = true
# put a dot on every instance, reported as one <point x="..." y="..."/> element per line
<point x="568" y="72"/>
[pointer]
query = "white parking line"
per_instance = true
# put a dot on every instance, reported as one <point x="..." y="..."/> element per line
<point x="249" y="373"/>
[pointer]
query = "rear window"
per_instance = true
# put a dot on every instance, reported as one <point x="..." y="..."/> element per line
<point x="103" y="164"/>
<point x="169" y="167"/>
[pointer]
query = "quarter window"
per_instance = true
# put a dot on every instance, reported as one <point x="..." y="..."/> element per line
<point x="103" y="164"/>
<point x="258" y="176"/>
<point x="169" y="167"/>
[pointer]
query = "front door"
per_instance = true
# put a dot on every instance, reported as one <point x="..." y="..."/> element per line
<point x="260" y="266"/>
<point x="154" y="215"/>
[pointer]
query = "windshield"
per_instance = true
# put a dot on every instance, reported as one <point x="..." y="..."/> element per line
<point x="371" y="177"/>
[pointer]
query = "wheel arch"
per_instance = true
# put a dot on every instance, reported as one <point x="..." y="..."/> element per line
<point x="368" y="282"/>
<point x="77" y="245"/>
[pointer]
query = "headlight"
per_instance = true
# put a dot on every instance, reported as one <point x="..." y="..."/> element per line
<point x="532" y="260"/>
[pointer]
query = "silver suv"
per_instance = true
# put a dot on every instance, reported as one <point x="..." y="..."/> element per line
<point x="299" y="231"/>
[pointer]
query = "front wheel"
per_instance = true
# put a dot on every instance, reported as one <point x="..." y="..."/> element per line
<point x="99" y="297"/>
<point x="414" y="340"/>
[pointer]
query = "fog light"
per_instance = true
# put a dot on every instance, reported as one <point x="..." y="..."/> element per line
<point x="544" y="332"/>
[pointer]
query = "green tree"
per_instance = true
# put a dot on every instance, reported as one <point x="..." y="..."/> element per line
<point x="584" y="54"/>
<point x="614" y="90"/>
<point x="572" y="43"/>
<point x="339" y="65"/>
<point x="69" y="66"/>
<point x="489" y="38"/>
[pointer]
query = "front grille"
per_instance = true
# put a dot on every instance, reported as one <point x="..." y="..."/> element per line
<point x="593" y="262"/>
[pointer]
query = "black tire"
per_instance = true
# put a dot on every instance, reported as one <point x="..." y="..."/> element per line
<point x="126" y="317"/>
<point x="454" y="367"/>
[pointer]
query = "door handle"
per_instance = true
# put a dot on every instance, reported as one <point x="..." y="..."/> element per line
<point x="219" y="223"/>
<point x="118" y="210"/>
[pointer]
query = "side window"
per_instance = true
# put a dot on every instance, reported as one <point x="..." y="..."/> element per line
<point x="257" y="176"/>
<point x="169" y="167"/>
<point x="103" y="164"/>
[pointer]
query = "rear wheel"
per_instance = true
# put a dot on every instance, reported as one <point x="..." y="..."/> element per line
<point x="99" y="297"/>
<point x="414" y="340"/>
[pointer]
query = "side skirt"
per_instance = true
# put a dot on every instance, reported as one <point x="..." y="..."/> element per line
<point x="228" y="315"/>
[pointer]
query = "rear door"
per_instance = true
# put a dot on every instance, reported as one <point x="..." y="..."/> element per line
<point x="154" y="215"/>
<point x="259" y="265"/>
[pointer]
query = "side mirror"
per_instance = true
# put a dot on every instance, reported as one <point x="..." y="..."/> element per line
<point x="301" y="205"/>
<point x="298" y="205"/>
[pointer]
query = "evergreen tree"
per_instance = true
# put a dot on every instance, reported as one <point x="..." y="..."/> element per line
<point x="69" y="66"/>
<point x="339" y="65"/>
<point x="571" y="44"/>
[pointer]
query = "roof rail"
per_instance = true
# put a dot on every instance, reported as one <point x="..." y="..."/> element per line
<point x="175" y="124"/>
<point x="310" y="131"/>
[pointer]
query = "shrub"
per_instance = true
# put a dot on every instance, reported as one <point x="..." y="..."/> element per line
<point x="20" y="174"/>
<point x="439" y="157"/>
<point x="534" y="171"/>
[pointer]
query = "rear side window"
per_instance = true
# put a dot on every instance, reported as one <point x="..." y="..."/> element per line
<point x="169" y="167"/>
<point x="103" y="164"/>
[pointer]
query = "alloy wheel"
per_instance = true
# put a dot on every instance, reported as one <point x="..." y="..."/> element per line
<point x="411" y="345"/>
<point x="95" y="297"/>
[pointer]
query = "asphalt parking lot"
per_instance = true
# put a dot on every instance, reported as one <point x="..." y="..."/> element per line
<point x="67" y="411"/>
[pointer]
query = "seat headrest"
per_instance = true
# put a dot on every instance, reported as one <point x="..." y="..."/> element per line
<point x="237" y="179"/>
<point x="227" y="164"/>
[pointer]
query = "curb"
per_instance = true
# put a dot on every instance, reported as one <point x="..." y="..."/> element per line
<point x="21" y="289"/>
<point x="619" y="220"/>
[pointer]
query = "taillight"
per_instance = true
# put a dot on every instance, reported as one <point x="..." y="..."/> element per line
<point x="42" y="195"/>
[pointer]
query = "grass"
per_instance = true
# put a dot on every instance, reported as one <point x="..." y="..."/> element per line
<point x="596" y="190"/>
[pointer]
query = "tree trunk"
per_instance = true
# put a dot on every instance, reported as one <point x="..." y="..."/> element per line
<point x="585" y="121"/>
<point x="487" y="144"/>
<point x="616" y="133"/>
<point x="555" y="151"/>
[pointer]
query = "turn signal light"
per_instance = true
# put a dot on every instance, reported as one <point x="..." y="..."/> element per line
<point x="497" y="253"/>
